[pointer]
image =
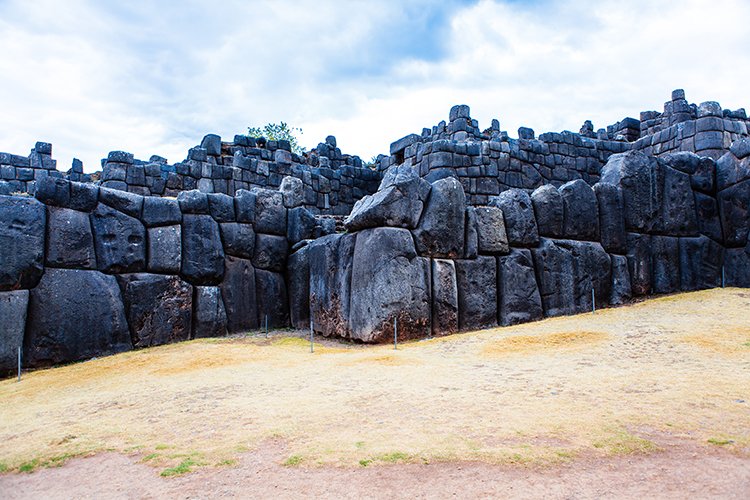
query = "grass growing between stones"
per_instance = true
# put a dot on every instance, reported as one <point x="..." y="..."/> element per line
<point x="539" y="393"/>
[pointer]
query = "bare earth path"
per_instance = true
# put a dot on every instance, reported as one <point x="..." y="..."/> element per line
<point x="649" y="400"/>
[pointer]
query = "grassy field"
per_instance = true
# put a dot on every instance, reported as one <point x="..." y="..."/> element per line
<point x="538" y="393"/>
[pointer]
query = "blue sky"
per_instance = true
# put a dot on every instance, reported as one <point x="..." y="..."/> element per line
<point x="153" y="78"/>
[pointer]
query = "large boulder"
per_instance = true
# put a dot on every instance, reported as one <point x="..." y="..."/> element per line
<point x="238" y="238"/>
<point x="13" y="306"/>
<point x="665" y="264"/>
<point x="210" y="317"/>
<point x="270" y="252"/>
<point x="293" y="191"/>
<point x="165" y="249"/>
<point x="444" y="297"/>
<point x="270" y="212"/>
<point x="730" y="170"/>
<point x="621" y="289"/>
<point x="701" y="260"/>
<point x="737" y="266"/>
<point x="549" y="210"/>
<point x="581" y="211"/>
<point x="471" y="239"/>
<point x="519" y="299"/>
<point x="639" y="262"/>
<point x="611" y="218"/>
<point x="161" y="211"/>
<point x="734" y="212"/>
<point x="159" y="308"/>
<point x="441" y="229"/>
<point x="128" y="203"/>
<point x="491" y="235"/>
<point x="22" y="235"/>
<point x="298" y="281"/>
<point x="74" y="315"/>
<point x="701" y="169"/>
<point x="389" y="281"/>
<point x="300" y="225"/>
<point x="518" y="211"/>
<point x="709" y="222"/>
<point x="477" y="293"/>
<point x="331" y="259"/>
<point x="554" y="269"/>
<point x="238" y="292"/>
<point x="273" y="302"/>
<point x="398" y="203"/>
<point x="70" y="242"/>
<point x="120" y="241"/>
<point x="202" y="251"/>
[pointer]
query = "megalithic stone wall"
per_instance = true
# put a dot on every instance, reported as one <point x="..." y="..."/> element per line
<point x="89" y="270"/>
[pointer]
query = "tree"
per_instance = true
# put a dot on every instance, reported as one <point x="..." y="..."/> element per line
<point x="278" y="132"/>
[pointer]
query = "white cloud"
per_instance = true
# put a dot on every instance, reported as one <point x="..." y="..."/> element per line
<point x="95" y="77"/>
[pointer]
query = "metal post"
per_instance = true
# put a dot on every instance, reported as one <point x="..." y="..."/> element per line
<point x="311" y="337"/>
<point x="395" y="333"/>
<point x="722" y="277"/>
<point x="19" y="364"/>
<point x="593" y="302"/>
<point x="266" y="325"/>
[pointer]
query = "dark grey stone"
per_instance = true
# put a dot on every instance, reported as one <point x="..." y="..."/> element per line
<point x="238" y="238"/>
<point x="700" y="263"/>
<point x="389" y="282"/>
<point x="128" y="203"/>
<point x="270" y="213"/>
<point x="273" y="302"/>
<point x="520" y="222"/>
<point x="74" y="315"/>
<point x="708" y="216"/>
<point x="270" y="252"/>
<point x="471" y="239"/>
<point x="293" y="191"/>
<point x="210" y="317"/>
<point x="581" y="211"/>
<point x="665" y="262"/>
<point x="165" y="249"/>
<point x="22" y="241"/>
<point x="491" y="237"/>
<point x="441" y="229"/>
<point x="730" y="171"/>
<point x="53" y="191"/>
<point x="161" y="211"/>
<point x="549" y="210"/>
<point x="193" y="202"/>
<point x="444" y="297"/>
<point x="639" y="263"/>
<point x="331" y="258"/>
<point x="159" y="308"/>
<point x="244" y="205"/>
<point x="202" y="251"/>
<point x="13" y="306"/>
<point x="518" y="294"/>
<point x="221" y="207"/>
<point x="300" y="225"/>
<point x="83" y="196"/>
<point x="120" y="241"/>
<point x="741" y="148"/>
<point x="298" y="280"/>
<point x="477" y="293"/>
<point x="212" y="144"/>
<point x="238" y="291"/>
<point x="611" y="217"/>
<point x="734" y="203"/>
<point x="701" y="169"/>
<point x="737" y="266"/>
<point x="70" y="242"/>
<point x="621" y="288"/>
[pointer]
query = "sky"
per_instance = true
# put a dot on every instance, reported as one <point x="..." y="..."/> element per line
<point x="155" y="77"/>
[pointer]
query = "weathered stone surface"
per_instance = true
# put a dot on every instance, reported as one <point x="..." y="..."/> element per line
<point x="707" y="211"/>
<point x="398" y="203"/>
<point x="491" y="236"/>
<point x="128" y="203"/>
<point x="221" y="207"/>
<point x="70" y="242"/>
<point x="389" y="281"/>
<point x="210" y="318"/>
<point x="83" y="196"/>
<point x="238" y="291"/>
<point x="700" y="263"/>
<point x="202" y="251"/>
<point x="477" y="293"/>
<point x="665" y="262"/>
<point x="741" y="148"/>
<point x="22" y="241"/>
<point x="298" y="280"/>
<point x="737" y="266"/>
<point x="212" y="144"/>
<point x="53" y="191"/>
<point x="730" y="170"/>
<point x="639" y="263"/>
<point x="471" y="240"/>
<point x="160" y="211"/>
<point x="74" y="315"/>
<point x="159" y="308"/>
<point x="734" y="204"/>
<point x="270" y="213"/>
<point x="120" y="241"/>
<point x="611" y="217"/>
<point x="238" y="238"/>
<point x="293" y="191"/>
<point x="331" y="259"/>
<point x="244" y="205"/>
<point x="13" y="307"/>
<point x="270" y="252"/>
<point x="677" y="215"/>
<point x="441" y="229"/>
<point x="621" y="288"/>
<point x="165" y="249"/>
<point x="701" y="169"/>
<point x="444" y="297"/>
<point x="519" y="299"/>
<point x="193" y="202"/>
<point x="549" y="210"/>
<point x="581" y="211"/>
<point x="273" y="301"/>
<point x="300" y="225"/>
<point x="518" y="211"/>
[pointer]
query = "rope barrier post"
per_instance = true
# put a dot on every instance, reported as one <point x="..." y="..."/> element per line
<point x="312" y="345"/>
<point x="395" y="333"/>
<point x="19" y="364"/>
<point x="593" y="301"/>
<point x="266" y="325"/>
<point x="723" y="281"/>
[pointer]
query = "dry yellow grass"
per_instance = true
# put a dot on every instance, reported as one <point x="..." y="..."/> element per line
<point x="539" y="392"/>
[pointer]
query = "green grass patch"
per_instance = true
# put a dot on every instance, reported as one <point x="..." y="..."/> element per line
<point x="359" y="444"/>
<point x="149" y="457"/>
<point x="365" y="462"/>
<point x="292" y="461"/>
<point x="746" y="344"/>
<point x="720" y="442"/>
<point x="29" y="466"/>
<point x="230" y="462"/>
<point x="183" y="468"/>
<point x="3" y="468"/>
<point x="624" y="443"/>
<point x="162" y="446"/>
<point x="395" y="457"/>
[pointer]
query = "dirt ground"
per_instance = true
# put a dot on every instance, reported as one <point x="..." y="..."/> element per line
<point x="652" y="400"/>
